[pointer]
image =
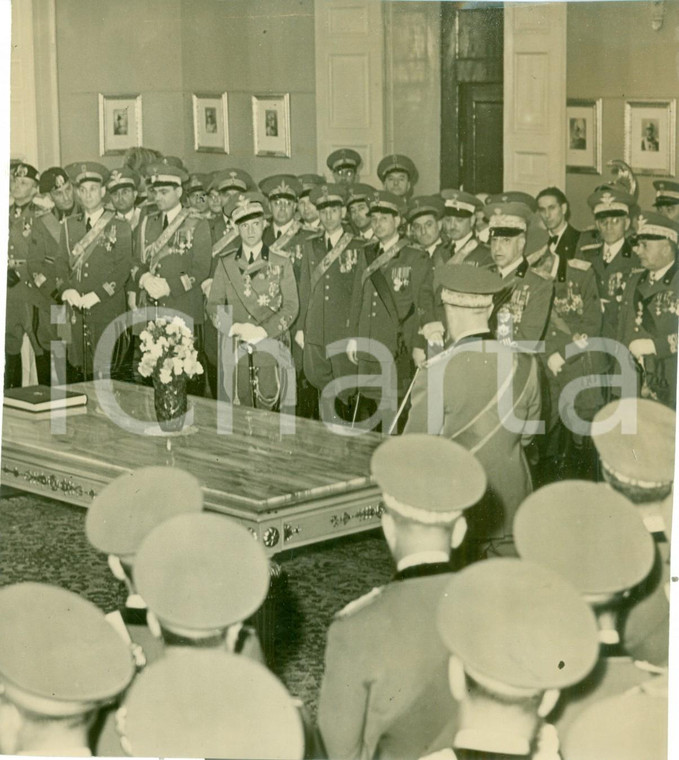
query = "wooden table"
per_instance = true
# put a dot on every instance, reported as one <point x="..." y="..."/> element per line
<point x="289" y="490"/>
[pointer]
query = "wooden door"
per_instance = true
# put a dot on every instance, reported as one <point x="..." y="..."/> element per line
<point x="481" y="138"/>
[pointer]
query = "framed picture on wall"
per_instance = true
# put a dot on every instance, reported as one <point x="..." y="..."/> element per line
<point x="211" y="123"/>
<point x="119" y="123"/>
<point x="651" y="135"/>
<point x="583" y="136"/>
<point x="271" y="125"/>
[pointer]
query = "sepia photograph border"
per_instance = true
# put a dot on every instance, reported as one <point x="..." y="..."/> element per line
<point x="660" y="162"/>
<point x="266" y="144"/>
<point x="588" y="161"/>
<point x="204" y="141"/>
<point x="111" y="143"/>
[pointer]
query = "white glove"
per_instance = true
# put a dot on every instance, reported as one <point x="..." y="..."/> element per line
<point x="433" y="333"/>
<point x="89" y="300"/>
<point x="131" y="300"/>
<point x="160" y="287"/>
<point x="144" y="279"/>
<point x="252" y="333"/>
<point x="419" y="357"/>
<point x="641" y="347"/>
<point x="71" y="297"/>
<point x="299" y="338"/>
<point x="555" y="363"/>
<point x="205" y="286"/>
<point x="352" y="350"/>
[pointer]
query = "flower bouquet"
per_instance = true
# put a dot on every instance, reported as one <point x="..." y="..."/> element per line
<point x="168" y="357"/>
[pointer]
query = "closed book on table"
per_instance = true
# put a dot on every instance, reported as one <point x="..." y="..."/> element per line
<point x="38" y="398"/>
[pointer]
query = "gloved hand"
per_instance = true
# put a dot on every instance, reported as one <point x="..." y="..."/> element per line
<point x="555" y="363"/>
<point x="89" y="300"/>
<point x="352" y="351"/>
<point x="71" y="297"/>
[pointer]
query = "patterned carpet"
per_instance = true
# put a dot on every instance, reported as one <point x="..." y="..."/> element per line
<point x="44" y="540"/>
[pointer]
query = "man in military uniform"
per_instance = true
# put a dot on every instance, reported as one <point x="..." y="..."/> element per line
<point x="648" y="310"/>
<point x="218" y="705"/>
<point x="384" y="692"/>
<point x="344" y="164"/>
<point x="392" y="301"/>
<point x="467" y="390"/>
<point x="667" y="198"/>
<point x="196" y="193"/>
<point x="612" y="259"/>
<point x="60" y="662"/>
<point x="554" y="212"/>
<point x="424" y="217"/>
<point x="522" y="313"/>
<point x="575" y="317"/>
<point x="227" y="183"/>
<point x="96" y="249"/>
<point x="459" y="223"/>
<point x="517" y="634"/>
<point x="56" y="183"/>
<point x="19" y="333"/>
<point x="259" y="285"/>
<point x="308" y="213"/>
<point x="358" y="209"/>
<point x="398" y="174"/>
<point x="123" y="186"/>
<point x="327" y="281"/>
<point x="174" y="255"/>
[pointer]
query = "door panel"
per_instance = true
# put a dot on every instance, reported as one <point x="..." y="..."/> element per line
<point x="481" y="127"/>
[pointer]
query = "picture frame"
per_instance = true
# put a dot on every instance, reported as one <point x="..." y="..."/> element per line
<point x="271" y="125"/>
<point x="120" y="123"/>
<point x="211" y="123"/>
<point x="583" y="136"/>
<point x="650" y="136"/>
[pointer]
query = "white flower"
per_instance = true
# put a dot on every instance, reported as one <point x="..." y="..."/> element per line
<point x="177" y="366"/>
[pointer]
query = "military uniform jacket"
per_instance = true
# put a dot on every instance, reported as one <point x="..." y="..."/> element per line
<point x="464" y="395"/>
<point x="218" y="229"/>
<point x="521" y="313"/>
<point x="395" y="301"/>
<point x="262" y="293"/>
<point x="568" y="242"/>
<point x="611" y="280"/>
<point x="105" y="273"/>
<point x="325" y="296"/>
<point x="473" y="252"/>
<point x="185" y="267"/>
<point x="385" y="686"/>
<point x="650" y="311"/>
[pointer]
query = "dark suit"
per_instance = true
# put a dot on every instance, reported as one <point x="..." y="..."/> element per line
<point x="568" y="242"/>
<point x="385" y="687"/>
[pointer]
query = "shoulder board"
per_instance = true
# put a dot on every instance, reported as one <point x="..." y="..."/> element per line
<point x="228" y="252"/>
<point x="314" y="234"/>
<point x="591" y="247"/>
<point x="541" y="274"/>
<point x="360" y="603"/>
<point x="580" y="264"/>
<point x="280" y="254"/>
<point x="637" y="270"/>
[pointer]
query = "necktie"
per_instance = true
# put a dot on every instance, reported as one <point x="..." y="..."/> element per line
<point x="608" y="256"/>
<point x="164" y="221"/>
<point x="251" y="259"/>
<point x="88" y="225"/>
<point x="328" y="244"/>
<point x="278" y="234"/>
<point x="553" y="240"/>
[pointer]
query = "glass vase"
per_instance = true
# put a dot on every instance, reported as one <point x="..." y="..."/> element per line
<point x="170" y="401"/>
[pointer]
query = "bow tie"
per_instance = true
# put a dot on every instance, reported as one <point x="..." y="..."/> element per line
<point x="553" y="239"/>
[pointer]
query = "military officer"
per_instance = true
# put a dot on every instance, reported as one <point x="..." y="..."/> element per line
<point x="196" y="193"/>
<point x="344" y="164"/>
<point x="60" y="662"/>
<point x="210" y="704"/>
<point x="327" y="281"/>
<point x="575" y="317"/>
<point x="392" y="301"/>
<point x="639" y="463"/>
<point x="96" y="248"/>
<point x="554" y="212"/>
<point x="424" y="214"/>
<point x="517" y="634"/>
<point x="259" y="285"/>
<point x="522" y="313"/>
<point x="667" y="198"/>
<point x="227" y="183"/>
<point x="648" y="321"/>
<point x="626" y="727"/>
<point x="612" y="259"/>
<point x="56" y="183"/>
<point x="19" y="332"/>
<point x="308" y="213"/>
<point x="358" y="209"/>
<point x="384" y="692"/>
<point x="459" y="223"/>
<point x="465" y="391"/>
<point x="173" y="255"/>
<point x="123" y="187"/>
<point x="398" y="174"/>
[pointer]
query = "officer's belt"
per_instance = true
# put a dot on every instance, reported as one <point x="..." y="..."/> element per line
<point x="223" y="241"/>
<point x="83" y="249"/>
<point x="330" y="258"/>
<point x="381" y="285"/>
<point x="278" y="246"/>
<point x="157" y="250"/>
<point x="459" y="256"/>
<point x="384" y="258"/>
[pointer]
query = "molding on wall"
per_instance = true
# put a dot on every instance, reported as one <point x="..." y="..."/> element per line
<point x="46" y="83"/>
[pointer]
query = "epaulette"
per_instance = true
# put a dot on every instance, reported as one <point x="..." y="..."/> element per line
<point x="228" y="252"/>
<point x="591" y="247"/>
<point x="580" y="264"/>
<point x="543" y="275"/>
<point x="637" y="270"/>
<point x="358" y="604"/>
<point x="281" y="253"/>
